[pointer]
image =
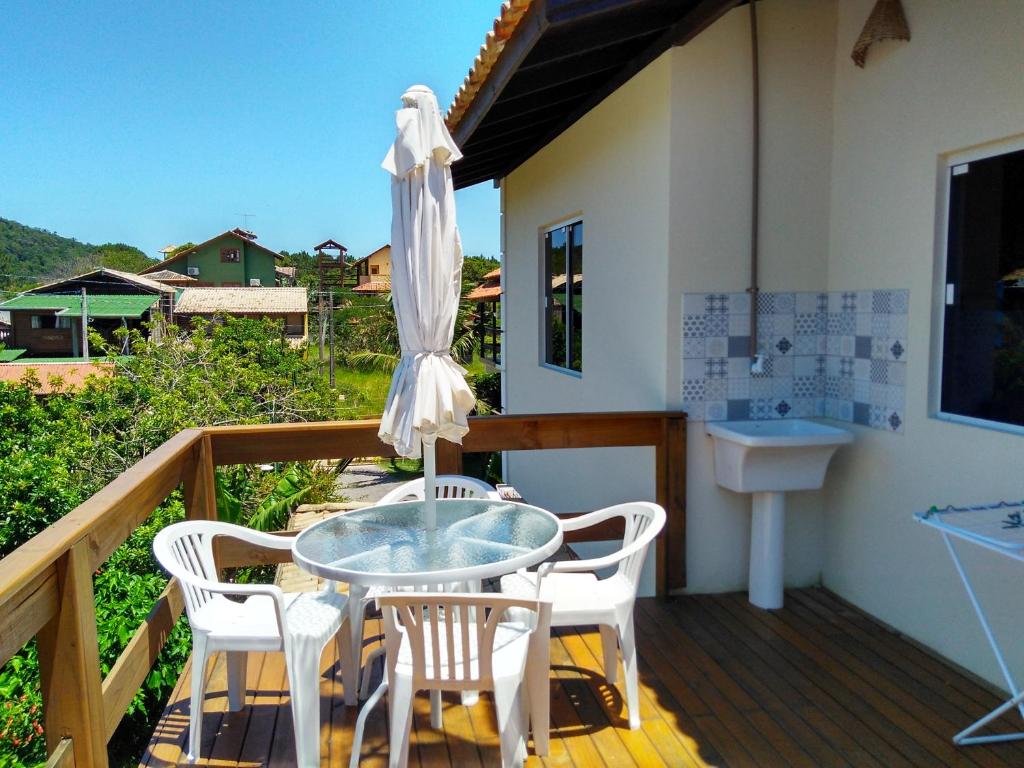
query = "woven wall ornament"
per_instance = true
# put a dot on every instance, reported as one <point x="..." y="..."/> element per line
<point x="886" y="22"/>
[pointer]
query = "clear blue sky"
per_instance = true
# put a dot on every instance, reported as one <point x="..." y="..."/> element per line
<point x="159" y="122"/>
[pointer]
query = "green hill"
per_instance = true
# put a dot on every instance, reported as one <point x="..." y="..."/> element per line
<point x="30" y="256"/>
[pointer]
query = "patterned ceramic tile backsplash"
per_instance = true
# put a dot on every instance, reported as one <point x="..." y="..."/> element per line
<point x="842" y="355"/>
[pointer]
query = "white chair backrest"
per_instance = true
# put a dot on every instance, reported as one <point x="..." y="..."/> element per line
<point x="644" y="522"/>
<point x="185" y="550"/>
<point x="447" y="487"/>
<point x="449" y="620"/>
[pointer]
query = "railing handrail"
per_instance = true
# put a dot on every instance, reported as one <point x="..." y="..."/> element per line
<point x="46" y="584"/>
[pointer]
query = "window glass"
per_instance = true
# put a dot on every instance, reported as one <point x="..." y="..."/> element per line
<point x="554" y="247"/>
<point x="563" y="322"/>
<point x="576" y="304"/>
<point x="44" y="321"/>
<point x="230" y="255"/>
<point x="983" y="342"/>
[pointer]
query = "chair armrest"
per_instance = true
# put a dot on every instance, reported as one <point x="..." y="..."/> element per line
<point x="261" y="539"/>
<point x="589" y="519"/>
<point x="593" y="564"/>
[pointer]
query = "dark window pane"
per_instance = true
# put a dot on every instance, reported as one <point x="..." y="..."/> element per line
<point x="576" y="305"/>
<point x="555" y="258"/>
<point x="983" y="344"/>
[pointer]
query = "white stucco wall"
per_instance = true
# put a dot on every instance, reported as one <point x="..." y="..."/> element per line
<point x="958" y="83"/>
<point x="850" y="183"/>
<point x="711" y="135"/>
<point x="610" y="169"/>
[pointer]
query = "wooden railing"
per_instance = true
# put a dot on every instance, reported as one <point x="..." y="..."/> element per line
<point x="46" y="587"/>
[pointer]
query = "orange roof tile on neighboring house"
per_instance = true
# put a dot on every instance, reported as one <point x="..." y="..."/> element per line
<point x="494" y="274"/>
<point x="376" y="286"/>
<point x="71" y="375"/>
<point x="484" y="293"/>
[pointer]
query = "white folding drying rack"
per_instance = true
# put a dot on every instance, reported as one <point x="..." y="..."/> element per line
<point x="998" y="528"/>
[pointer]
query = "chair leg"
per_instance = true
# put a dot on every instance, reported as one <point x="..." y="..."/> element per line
<point x="236" y="662"/>
<point x="538" y="689"/>
<point x="401" y="721"/>
<point x="508" y="705"/>
<point x="195" y="728"/>
<point x="347" y="659"/>
<point x="371" y="657"/>
<point x="303" y="664"/>
<point x="610" y="647"/>
<point x="628" y="643"/>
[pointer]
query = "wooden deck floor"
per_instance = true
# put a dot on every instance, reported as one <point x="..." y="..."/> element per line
<point x="815" y="684"/>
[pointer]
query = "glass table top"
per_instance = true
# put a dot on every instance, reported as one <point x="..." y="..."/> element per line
<point x="389" y="544"/>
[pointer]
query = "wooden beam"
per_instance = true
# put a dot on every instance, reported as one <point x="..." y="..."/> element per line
<point x="262" y="443"/>
<point x="232" y="553"/>
<point x="670" y="460"/>
<point x="69" y="663"/>
<point x="528" y="31"/>
<point x="63" y="756"/>
<point x="136" y="660"/>
<point x="105" y="519"/>
<point x="699" y="18"/>
<point x="199" y="485"/>
<point x="27" y="612"/>
<point x="449" y="458"/>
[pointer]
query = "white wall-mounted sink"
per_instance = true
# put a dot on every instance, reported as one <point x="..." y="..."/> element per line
<point x="777" y="455"/>
<point x="768" y="458"/>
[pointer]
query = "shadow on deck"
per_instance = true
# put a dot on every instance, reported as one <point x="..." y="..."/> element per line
<point x="722" y="683"/>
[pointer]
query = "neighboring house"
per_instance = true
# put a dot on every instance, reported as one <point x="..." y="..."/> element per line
<point x="47" y="321"/>
<point x="373" y="272"/>
<point x="5" y="326"/>
<point x="169" y="277"/>
<point x="487" y="317"/>
<point x="877" y="307"/>
<point x="232" y="259"/>
<point x="286" y="304"/>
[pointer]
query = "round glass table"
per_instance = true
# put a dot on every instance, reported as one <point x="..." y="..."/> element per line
<point x="389" y="545"/>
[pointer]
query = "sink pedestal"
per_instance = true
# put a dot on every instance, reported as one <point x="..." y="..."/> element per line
<point x="767" y="534"/>
<point x="766" y="459"/>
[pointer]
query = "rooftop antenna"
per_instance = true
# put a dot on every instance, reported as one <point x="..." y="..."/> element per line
<point x="245" y="219"/>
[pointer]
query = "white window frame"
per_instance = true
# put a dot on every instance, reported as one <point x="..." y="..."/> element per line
<point x="946" y="164"/>
<point x="576" y="218"/>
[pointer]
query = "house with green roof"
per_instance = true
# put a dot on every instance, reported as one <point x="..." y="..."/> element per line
<point x="46" y="322"/>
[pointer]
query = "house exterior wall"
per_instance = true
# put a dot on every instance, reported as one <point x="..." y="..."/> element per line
<point x="710" y="160"/>
<point x="589" y="172"/>
<point x="959" y="83"/>
<point x="852" y="178"/>
<point x="49" y="342"/>
<point x="254" y="263"/>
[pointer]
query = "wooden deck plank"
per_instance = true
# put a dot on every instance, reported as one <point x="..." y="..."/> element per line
<point x="815" y="684"/>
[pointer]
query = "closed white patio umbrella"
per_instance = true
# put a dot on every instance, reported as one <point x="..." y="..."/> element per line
<point x="429" y="397"/>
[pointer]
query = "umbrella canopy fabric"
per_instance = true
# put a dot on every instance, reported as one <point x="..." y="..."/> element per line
<point x="429" y="397"/>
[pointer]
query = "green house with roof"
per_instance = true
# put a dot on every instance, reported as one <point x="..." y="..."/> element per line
<point x="231" y="259"/>
<point x="46" y="322"/>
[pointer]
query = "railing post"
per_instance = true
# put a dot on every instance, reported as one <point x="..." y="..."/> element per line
<point x="449" y="458"/>
<point x="69" y="664"/>
<point x="200" y="488"/>
<point x="670" y="458"/>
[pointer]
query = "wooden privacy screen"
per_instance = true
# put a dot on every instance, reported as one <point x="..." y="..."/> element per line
<point x="46" y="587"/>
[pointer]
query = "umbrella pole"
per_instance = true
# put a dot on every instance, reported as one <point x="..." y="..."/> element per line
<point x="429" y="486"/>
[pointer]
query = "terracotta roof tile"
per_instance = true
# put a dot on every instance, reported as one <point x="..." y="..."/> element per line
<point x="73" y="375"/>
<point x="512" y="12"/>
<point x="241" y="301"/>
<point x="376" y="286"/>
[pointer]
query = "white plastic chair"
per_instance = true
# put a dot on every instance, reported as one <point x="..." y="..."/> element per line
<point x="299" y="624"/>
<point x="448" y="487"/>
<point x="449" y="642"/>
<point x="578" y="597"/>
